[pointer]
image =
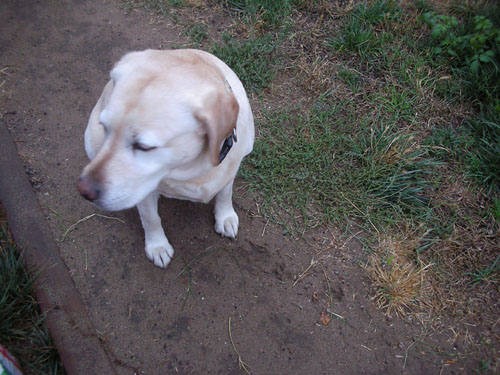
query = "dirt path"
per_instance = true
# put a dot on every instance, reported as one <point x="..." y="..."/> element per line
<point x="58" y="55"/>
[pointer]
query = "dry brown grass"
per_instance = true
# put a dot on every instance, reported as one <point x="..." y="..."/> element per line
<point x="398" y="277"/>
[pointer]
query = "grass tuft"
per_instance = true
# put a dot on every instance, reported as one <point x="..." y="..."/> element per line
<point x="398" y="278"/>
<point x="359" y="33"/>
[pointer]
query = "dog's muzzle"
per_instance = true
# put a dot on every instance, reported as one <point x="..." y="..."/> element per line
<point x="88" y="189"/>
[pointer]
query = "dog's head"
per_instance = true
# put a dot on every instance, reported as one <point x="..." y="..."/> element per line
<point x="166" y="115"/>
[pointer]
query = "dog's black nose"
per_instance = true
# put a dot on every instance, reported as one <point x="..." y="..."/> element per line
<point x="88" y="189"/>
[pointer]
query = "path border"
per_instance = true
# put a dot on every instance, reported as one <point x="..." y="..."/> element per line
<point x="80" y="349"/>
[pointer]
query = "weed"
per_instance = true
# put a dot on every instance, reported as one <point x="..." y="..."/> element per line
<point x="378" y="12"/>
<point x="356" y="37"/>
<point x="393" y="168"/>
<point x="423" y="6"/>
<point x="472" y="48"/>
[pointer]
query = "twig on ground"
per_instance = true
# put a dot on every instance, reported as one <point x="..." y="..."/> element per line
<point x="242" y="364"/>
<point x="200" y="255"/>
<point x="406" y="353"/>
<point x="73" y="226"/>
<point x="304" y="273"/>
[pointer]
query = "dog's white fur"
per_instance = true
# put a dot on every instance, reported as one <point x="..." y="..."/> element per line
<point x="182" y="104"/>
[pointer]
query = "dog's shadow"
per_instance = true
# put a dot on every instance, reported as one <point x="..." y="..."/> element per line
<point x="185" y="223"/>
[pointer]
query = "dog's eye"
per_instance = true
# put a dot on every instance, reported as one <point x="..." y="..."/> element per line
<point x="141" y="147"/>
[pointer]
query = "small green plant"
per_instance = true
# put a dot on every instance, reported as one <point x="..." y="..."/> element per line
<point x="472" y="49"/>
<point x="423" y="6"/>
<point x="480" y="46"/>
<point x="254" y="60"/>
<point x="379" y="12"/>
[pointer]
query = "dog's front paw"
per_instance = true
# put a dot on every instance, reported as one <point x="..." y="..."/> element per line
<point x="226" y="223"/>
<point x="160" y="253"/>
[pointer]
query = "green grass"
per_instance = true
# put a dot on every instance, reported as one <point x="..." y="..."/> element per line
<point x="22" y="327"/>
<point x="254" y="60"/>
<point x="351" y="78"/>
<point x="197" y="33"/>
<point x="360" y="32"/>
<point x="264" y="13"/>
<point x="326" y="166"/>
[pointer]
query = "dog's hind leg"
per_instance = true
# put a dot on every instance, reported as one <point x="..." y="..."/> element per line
<point x="226" y="219"/>
<point x="158" y="249"/>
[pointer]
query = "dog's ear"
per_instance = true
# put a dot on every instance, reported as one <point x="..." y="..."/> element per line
<point x="218" y="116"/>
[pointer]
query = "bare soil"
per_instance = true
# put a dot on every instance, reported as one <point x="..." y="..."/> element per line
<point x="274" y="287"/>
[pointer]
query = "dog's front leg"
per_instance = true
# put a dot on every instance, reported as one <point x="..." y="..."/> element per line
<point x="226" y="219"/>
<point x="158" y="249"/>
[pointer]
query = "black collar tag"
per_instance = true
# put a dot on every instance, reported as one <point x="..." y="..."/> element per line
<point x="226" y="146"/>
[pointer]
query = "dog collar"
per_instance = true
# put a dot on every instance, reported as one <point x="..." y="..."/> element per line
<point x="226" y="146"/>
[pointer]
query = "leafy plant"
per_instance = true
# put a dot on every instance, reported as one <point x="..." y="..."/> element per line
<point x="474" y="48"/>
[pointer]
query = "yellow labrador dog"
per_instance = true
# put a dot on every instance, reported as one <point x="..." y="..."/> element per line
<point x="176" y="123"/>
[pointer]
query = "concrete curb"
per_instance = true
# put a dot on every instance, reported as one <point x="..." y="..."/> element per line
<point x="81" y="351"/>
